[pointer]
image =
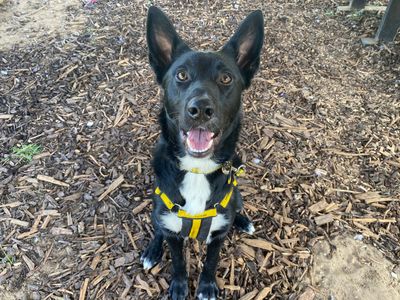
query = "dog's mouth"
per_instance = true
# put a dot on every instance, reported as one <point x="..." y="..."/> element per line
<point x="199" y="142"/>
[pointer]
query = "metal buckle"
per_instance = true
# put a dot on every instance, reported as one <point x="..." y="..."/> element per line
<point x="239" y="170"/>
<point x="227" y="167"/>
<point x="176" y="208"/>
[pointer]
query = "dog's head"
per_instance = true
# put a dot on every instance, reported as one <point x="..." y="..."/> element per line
<point x="202" y="90"/>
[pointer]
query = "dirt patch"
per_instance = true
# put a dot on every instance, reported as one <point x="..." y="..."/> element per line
<point x="320" y="139"/>
<point x="27" y="22"/>
<point x="352" y="269"/>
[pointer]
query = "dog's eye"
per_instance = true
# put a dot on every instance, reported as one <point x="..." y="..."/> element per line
<point x="182" y="76"/>
<point x="225" y="79"/>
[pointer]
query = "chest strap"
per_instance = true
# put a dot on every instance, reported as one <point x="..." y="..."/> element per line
<point x="197" y="226"/>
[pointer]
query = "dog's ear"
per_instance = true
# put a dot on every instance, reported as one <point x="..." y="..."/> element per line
<point x="163" y="42"/>
<point x="245" y="45"/>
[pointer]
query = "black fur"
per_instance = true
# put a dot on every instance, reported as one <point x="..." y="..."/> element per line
<point x="168" y="55"/>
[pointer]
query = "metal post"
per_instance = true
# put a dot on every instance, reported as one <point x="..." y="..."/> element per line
<point x="390" y="23"/>
<point x="357" y="4"/>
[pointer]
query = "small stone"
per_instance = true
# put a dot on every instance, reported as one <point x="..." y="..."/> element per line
<point x="104" y="208"/>
<point x="87" y="197"/>
<point x="358" y="237"/>
<point x="81" y="227"/>
<point x="35" y="296"/>
<point x="320" y="172"/>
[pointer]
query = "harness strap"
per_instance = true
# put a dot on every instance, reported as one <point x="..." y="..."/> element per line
<point x="197" y="226"/>
<point x="168" y="203"/>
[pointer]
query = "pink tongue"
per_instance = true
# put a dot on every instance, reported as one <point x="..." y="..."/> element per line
<point x="199" y="139"/>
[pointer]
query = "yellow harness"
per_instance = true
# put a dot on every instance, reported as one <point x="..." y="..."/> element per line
<point x="193" y="224"/>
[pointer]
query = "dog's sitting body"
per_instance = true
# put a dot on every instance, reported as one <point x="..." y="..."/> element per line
<point x="200" y="124"/>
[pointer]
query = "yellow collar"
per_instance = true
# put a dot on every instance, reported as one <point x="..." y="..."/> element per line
<point x="227" y="168"/>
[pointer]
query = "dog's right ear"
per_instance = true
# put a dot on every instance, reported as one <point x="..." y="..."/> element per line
<point x="164" y="43"/>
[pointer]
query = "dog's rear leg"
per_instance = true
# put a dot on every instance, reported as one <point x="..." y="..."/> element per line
<point x="243" y="224"/>
<point x="153" y="253"/>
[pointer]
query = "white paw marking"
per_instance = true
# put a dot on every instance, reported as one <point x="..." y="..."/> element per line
<point x="148" y="264"/>
<point x="250" y="229"/>
<point x="201" y="297"/>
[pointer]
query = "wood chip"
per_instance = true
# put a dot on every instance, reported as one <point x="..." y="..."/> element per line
<point x="51" y="180"/>
<point x="126" y="259"/>
<point x="274" y="190"/>
<point x="140" y="207"/>
<point x="26" y="234"/>
<point x="60" y="231"/>
<point x="249" y="296"/>
<point x="373" y="197"/>
<point x="317" y="207"/>
<point x="164" y="284"/>
<point x="247" y="251"/>
<point x="73" y="197"/>
<point x="131" y="239"/>
<point x="5" y="116"/>
<point x="112" y="187"/>
<point x="372" y="220"/>
<point x="274" y="270"/>
<point x="366" y="231"/>
<point x="28" y="262"/>
<point x="308" y="294"/>
<point x="263" y="294"/>
<point x="41" y="155"/>
<point x="232" y="287"/>
<point x="95" y="262"/>
<point x="15" y="222"/>
<point x="11" y="204"/>
<point x="324" y="219"/>
<point x="46" y="222"/>
<point x="82" y="292"/>
<point x="258" y="243"/>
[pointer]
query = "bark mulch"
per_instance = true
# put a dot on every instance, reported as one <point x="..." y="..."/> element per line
<point x="321" y="141"/>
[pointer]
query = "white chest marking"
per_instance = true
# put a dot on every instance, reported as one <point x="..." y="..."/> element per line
<point x="195" y="189"/>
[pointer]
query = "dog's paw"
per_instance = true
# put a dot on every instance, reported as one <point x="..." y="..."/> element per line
<point x="178" y="289"/>
<point x="243" y="224"/>
<point x="151" y="256"/>
<point x="207" y="290"/>
<point x="249" y="228"/>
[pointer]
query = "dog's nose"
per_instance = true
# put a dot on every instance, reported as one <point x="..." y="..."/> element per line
<point x="200" y="108"/>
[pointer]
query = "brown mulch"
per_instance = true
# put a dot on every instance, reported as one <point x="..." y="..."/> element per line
<point x="321" y="140"/>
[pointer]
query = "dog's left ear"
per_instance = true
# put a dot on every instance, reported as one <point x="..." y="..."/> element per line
<point x="245" y="45"/>
<point x="163" y="41"/>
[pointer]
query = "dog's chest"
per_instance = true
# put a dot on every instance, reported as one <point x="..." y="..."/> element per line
<point x="196" y="191"/>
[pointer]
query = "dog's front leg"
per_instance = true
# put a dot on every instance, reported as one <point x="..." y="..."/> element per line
<point x="208" y="289"/>
<point x="178" y="289"/>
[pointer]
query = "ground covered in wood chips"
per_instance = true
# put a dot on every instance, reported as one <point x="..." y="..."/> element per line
<point x="78" y="120"/>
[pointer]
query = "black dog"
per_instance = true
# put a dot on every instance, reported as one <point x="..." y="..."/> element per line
<point x="195" y="161"/>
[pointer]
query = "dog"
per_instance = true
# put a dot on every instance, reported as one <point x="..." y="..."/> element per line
<point x="194" y="161"/>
